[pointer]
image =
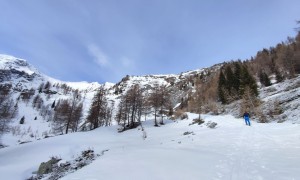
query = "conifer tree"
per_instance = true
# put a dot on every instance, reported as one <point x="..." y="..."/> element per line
<point x="47" y="85"/>
<point x="134" y="99"/>
<point x="68" y="113"/>
<point x="198" y="101"/>
<point x="53" y="105"/>
<point x="154" y="101"/>
<point x="119" y="114"/>
<point x="229" y="78"/>
<point x="221" y="88"/>
<point x="97" y="113"/>
<point x="279" y="76"/>
<point x="76" y="117"/>
<point x="247" y="80"/>
<point x="231" y="85"/>
<point x="131" y="107"/>
<point x="264" y="79"/>
<point x="237" y="76"/>
<point x="164" y="100"/>
<point x="22" y="120"/>
<point x="37" y="102"/>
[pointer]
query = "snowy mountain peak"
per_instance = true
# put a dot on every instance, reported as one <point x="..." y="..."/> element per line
<point x="6" y="59"/>
<point x="12" y="63"/>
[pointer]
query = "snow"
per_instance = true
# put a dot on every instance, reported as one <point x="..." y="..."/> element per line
<point x="10" y="62"/>
<point x="287" y="94"/>
<point x="230" y="151"/>
<point x="83" y="85"/>
<point x="31" y="130"/>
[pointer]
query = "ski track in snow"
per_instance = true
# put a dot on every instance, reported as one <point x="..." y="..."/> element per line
<point x="253" y="154"/>
<point x="231" y="151"/>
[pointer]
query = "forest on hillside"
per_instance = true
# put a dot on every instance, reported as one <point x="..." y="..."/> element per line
<point x="240" y="79"/>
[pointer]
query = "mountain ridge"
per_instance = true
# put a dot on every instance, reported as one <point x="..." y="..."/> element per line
<point x="26" y="79"/>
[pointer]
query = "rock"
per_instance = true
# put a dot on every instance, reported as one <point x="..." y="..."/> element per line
<point x="197" y="121"/>
<point x="211" y="125"/>
<point x="47" y="167"/>
<point x="184" y="116"/>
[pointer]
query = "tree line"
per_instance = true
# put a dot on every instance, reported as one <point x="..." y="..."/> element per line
<point x="234" y="81"/>
<point x="240" y="79"/>
<point x="133" y="104"/>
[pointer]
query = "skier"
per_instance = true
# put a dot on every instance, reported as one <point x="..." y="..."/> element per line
<point x="247" y="118"/>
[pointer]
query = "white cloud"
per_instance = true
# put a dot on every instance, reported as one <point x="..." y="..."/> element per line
<point x="99" y="56"/>
<point x="116" y="68"/>
<point x="127" y="63"/>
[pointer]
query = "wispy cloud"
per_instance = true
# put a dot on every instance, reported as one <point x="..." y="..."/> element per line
<point x="98" y="55"/>
<point x="127" y="62"/>
<point x="115" y="66"/>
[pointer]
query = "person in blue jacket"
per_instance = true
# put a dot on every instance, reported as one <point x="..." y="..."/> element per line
<point x="247" y="118"/>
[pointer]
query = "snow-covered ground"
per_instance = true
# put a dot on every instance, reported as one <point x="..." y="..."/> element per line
<point x="287" y="96"/>
<point x="231" y="151"/>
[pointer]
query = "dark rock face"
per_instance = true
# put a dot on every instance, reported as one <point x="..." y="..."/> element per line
<point x="19" y="74"/>
<point x="21" y="62"/>
<point x="5" y="75"/>
<point x="49" y="92"/>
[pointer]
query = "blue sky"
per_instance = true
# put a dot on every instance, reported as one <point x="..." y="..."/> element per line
<point x="97" y="40"/>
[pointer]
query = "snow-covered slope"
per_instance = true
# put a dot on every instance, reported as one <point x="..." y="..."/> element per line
<point x="280" y="102"/>
<point x="21" y="65"/>
<point x="231" y="151"/>
<point x="23" y="77"/>
<point x="16" y="70"/>
<point x="283" y="97"/>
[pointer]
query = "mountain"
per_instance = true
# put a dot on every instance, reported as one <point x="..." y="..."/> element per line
<point x="279" y="102"/>
<point x="25" y="83"/>
<point x="19" y="71"/>
<point x="219" y="148"/>
<point x="24" y="79"/>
